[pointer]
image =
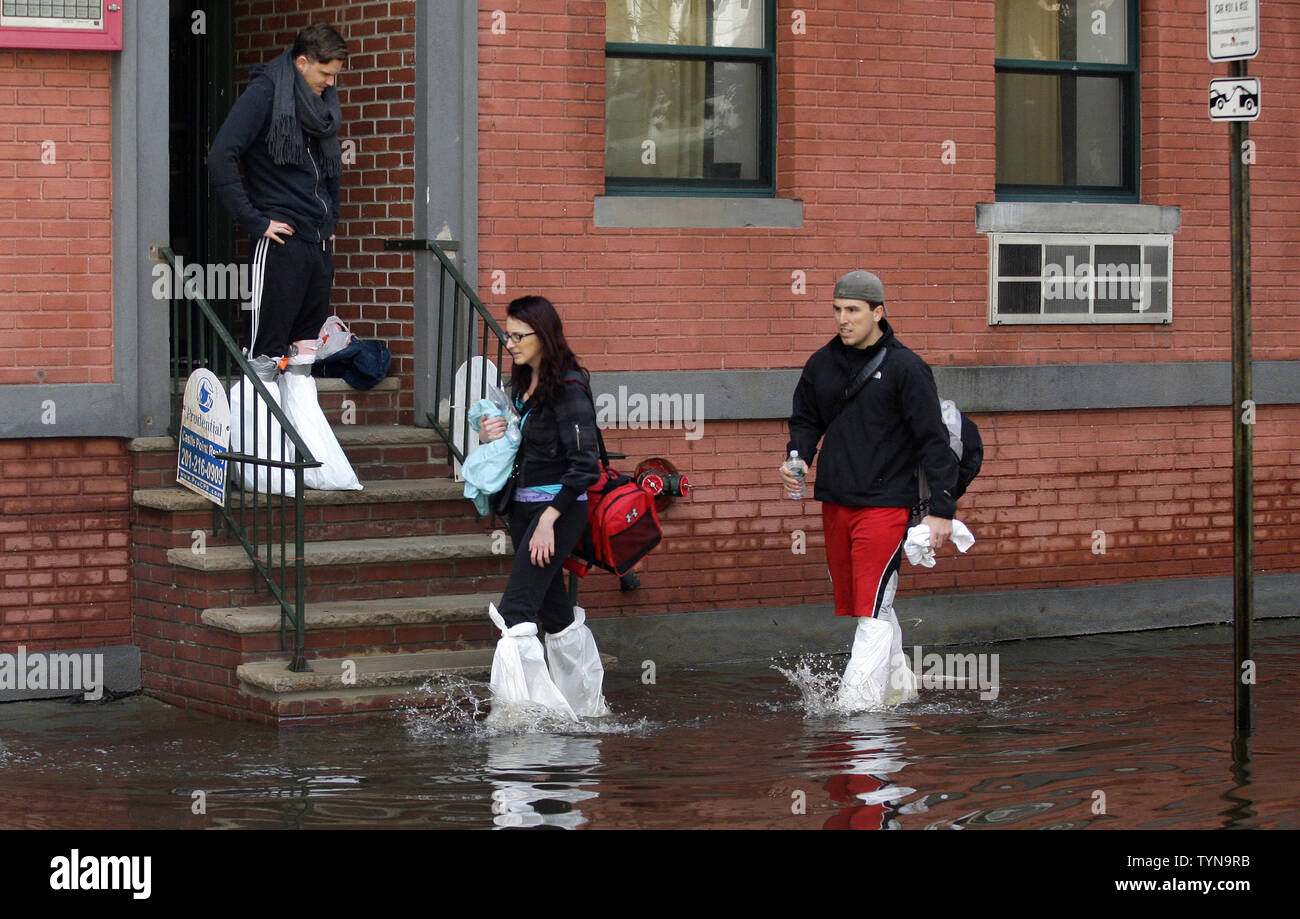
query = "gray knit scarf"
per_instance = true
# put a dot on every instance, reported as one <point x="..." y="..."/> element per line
<point x="295" y="106"/>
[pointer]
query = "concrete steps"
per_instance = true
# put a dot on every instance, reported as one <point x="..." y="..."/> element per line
<point x="382" y="551"/>
<point x="337" y="690"/>
<point x="356" y="614"/>
<point x="382" y="491"/>
<point x="370" y="671"/>
<point x="399" y="576"/>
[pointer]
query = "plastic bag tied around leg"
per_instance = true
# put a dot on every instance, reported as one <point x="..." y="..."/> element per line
<point x="519" y="679"/>
<point x="302" y="408"/>
<point x="902" y="682"/>
<point x="576" y="667"/>
<point x="255" y="432"/>
<point x="866" y="679"/>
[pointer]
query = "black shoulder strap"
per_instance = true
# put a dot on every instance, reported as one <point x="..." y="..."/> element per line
<point x="864" y="376"/>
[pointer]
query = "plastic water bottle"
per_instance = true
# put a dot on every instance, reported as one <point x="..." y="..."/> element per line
<point x="793" y="466"/>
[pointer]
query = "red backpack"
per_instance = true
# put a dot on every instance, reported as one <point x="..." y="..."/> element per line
<point x="622" y="524"/>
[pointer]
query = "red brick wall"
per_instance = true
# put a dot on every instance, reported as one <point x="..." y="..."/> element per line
<point x="372" y="288"/>
<point x="877" y="194"/>
<point x="1158" y="484"/>
<point x="56" y="247"/>
<point x="64" y="536"/>
<point x="875" y="190"/>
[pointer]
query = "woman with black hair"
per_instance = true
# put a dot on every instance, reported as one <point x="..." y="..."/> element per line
<point x="558" y="461"/>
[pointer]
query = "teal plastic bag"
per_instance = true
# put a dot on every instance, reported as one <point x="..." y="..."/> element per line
<point x="488" y="467"/>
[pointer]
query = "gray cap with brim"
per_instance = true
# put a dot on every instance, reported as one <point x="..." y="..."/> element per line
<point x="860" y="285"/>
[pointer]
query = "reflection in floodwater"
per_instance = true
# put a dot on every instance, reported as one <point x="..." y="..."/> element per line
<point x="867" y="796"/>
<point x="1069" y="743"/>
<point x="1239" y="795"/>
<point x="539" y="778"/>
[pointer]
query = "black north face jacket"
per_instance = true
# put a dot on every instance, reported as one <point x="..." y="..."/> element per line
<point x="872" y="448"/>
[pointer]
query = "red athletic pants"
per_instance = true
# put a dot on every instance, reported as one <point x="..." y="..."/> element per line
<point x="864" y="546"/>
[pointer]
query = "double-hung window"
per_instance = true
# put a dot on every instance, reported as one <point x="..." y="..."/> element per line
<point x="1067" y="100"/>
<point x="690" y="89"/>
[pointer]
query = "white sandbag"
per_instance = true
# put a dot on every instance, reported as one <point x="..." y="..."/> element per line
<point x="264" y="439"/>
<point x="576" y="667"/>
<point x="302" y="408"/>
<point x="520" y="681"/>
<point x="866" y="679"/>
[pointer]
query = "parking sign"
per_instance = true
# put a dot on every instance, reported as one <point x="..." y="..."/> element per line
<point x="1232" y="29"/>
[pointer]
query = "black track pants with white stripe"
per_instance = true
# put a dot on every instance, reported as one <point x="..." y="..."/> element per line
<point x="291" y="293"/>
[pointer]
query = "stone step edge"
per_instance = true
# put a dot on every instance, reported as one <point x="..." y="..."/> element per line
<point x="376" y="491"/>
<point x="355" y="614"/>
<point x="349" y="435"/>
<point x="382" y="674"/>
<point x="338" y="384"/>
<point x="372" y="671"/>
<point x="376" y="551"/>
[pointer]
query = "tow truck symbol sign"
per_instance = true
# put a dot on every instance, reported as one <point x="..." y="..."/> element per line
<point x="1234" y="99"/>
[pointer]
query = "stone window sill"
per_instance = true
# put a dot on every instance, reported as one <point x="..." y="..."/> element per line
<point x="664" y="212"/>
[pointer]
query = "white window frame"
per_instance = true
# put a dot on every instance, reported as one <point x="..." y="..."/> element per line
<point x="1078" y="284"/>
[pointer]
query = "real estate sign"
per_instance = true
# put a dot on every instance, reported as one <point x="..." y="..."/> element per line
<point x="204" y="432"/>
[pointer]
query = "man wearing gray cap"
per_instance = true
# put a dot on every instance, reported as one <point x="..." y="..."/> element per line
<point x="874" y="402"/>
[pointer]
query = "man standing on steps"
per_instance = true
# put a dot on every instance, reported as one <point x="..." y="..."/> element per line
<point x="875" y="402"/>
<point x="284" y="132"/>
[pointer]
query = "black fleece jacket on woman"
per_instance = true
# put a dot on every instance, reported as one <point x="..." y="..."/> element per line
<point x="872" y="448"/>
<point x="559" y="443"/>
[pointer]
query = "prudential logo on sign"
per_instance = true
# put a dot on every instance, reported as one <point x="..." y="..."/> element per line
<point x="204" y="433"/>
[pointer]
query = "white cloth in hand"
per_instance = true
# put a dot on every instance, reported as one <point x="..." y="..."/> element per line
<point x="918" y="548"/>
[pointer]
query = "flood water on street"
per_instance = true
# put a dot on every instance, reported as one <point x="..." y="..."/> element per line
<point x="1114" y="731"/>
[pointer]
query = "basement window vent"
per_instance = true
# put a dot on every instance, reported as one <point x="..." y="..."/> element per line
<point x="1066" y="278"/>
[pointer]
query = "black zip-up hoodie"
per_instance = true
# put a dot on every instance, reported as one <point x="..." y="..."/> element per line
<point x="872" y="448"/>
<point x="300" y="194"/>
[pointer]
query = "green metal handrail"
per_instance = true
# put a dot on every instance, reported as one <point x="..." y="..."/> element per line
<point x="199" y="338"/>
<point x="461" y="333"/>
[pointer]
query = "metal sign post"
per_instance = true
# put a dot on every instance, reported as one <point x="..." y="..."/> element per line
<point x="1243" y="466"/>
<point x="1232" y="33"/>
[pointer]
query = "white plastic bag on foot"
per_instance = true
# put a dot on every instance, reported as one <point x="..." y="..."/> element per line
<point x="519" y="676"/>
<point x="866" y="679"/>
<point x="576" y="667"/>
<point x="902" y="682"/>
<point x="302" y="408"/>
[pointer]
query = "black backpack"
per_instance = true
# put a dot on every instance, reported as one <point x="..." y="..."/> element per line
<point x="967" y="446"/>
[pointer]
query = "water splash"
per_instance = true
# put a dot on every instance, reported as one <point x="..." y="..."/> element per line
<point x="818" y="680"/>
<point x="448" y="703"/>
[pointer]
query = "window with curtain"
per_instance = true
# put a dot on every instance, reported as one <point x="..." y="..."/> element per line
<point x="689" y="96"/>
<point x="1067" y="94"/>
